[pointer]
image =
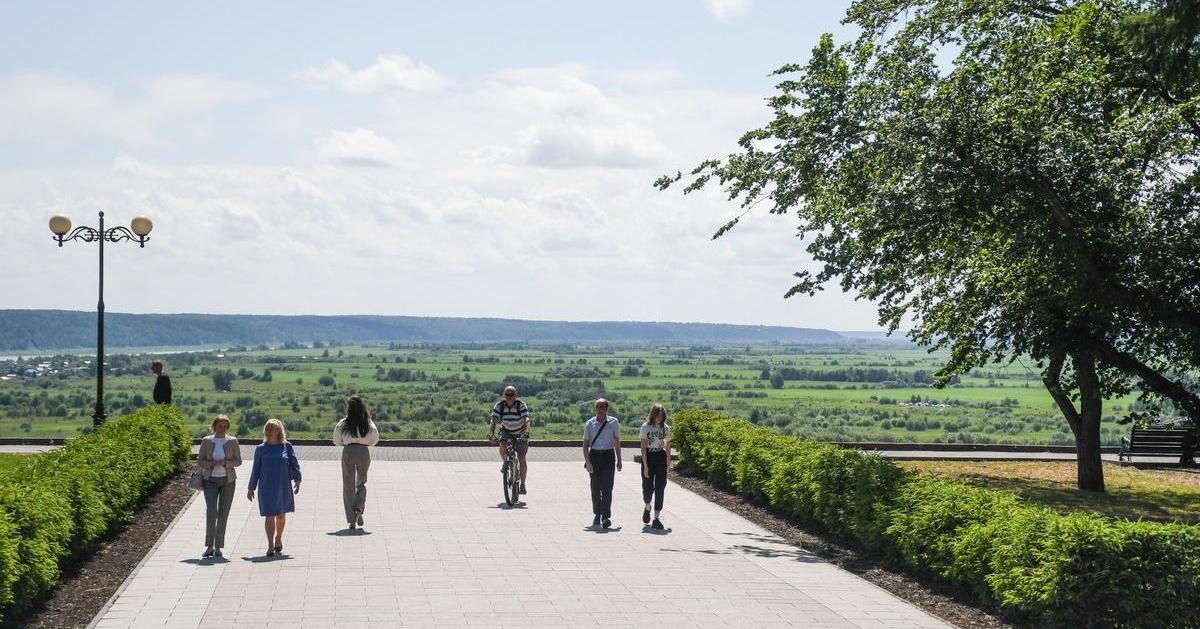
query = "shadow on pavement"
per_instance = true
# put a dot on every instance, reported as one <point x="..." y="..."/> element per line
<point x="794" y="553"/>
<point x="702" y="551"/>
<point x="773" y="546"/>
<point x="506" y="507"/>
<point x="349" y="533"/>
<point x="206" y="561"/>
<point x="265" y="559"/>
<point x="649" y="530"/>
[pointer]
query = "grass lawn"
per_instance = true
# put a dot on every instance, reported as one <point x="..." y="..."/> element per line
<point x="12" y="460"/>
<point x="1151" y="494"/>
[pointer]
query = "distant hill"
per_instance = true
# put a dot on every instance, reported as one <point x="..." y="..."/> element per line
<point x="42" y="330"/>
<point x="876" y="337"/>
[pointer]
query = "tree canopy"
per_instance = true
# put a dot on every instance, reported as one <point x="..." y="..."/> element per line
<point x="1011" y="177"/>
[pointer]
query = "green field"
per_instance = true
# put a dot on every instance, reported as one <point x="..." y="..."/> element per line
<point x="850" y="392"/>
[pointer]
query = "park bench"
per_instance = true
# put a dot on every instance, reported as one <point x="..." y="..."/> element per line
<point x="1177" y="443"/>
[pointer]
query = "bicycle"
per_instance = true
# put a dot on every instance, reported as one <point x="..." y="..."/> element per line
<point x="511" y="471"/>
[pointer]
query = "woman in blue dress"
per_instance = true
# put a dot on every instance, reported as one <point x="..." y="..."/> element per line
<point x="276" y="473"/>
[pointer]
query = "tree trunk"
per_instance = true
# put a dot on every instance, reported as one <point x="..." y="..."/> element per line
<point x="1090" y="474"/>
<point x="1085" y="422"/>
<point x="1087" y="438"/>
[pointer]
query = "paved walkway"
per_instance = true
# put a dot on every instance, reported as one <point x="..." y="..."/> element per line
<point x="26" y="449"/>
<point x="440" y="549"/>
<point x="467" y="453"/>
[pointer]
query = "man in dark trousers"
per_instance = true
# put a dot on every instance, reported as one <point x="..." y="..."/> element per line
<point x="601" y="453"/>
<point x="162" y="385"/>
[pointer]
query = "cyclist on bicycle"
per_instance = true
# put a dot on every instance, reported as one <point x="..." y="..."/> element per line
<point x="513" y="416"/>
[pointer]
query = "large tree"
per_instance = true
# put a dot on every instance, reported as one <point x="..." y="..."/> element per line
<point x="1012" y="177"/>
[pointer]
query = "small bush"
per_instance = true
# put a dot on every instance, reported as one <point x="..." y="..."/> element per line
<point x="56" y="509"/>
<point x="297" y="425"/>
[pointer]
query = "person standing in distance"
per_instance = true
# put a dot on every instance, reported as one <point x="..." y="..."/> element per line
<point x="162" y="384"/>
<point x="656" y="452"/>
<point x="601" y="451"/>
<point x="513" y="416"/>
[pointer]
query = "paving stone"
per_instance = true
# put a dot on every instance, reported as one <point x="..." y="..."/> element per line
<point x="441" y="549"/>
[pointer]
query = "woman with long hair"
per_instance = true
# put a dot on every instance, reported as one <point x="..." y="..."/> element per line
<point x="356" y="433"/>
<point x="276" y="473"/>
<point x="656" y="453"/>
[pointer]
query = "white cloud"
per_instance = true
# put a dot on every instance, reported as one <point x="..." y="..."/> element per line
<point x="568" y="121"/>
<point x="185" y="93"/>
<point x="53" y="108"/>
<point x="725" y="9"/>
<point x="556" y="90"/>
<point x="388" y="73"/>
<point x="580" y="144"/>
<point x="360" y="147"/>
<point x="450" y="212"/>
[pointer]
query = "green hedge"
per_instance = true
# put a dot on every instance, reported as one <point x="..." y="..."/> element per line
<point x="1077" y="570"/>
<point x="53" y="510"/>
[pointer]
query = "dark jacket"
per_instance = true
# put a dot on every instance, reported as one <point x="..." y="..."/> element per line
<point x="162" y="389"/>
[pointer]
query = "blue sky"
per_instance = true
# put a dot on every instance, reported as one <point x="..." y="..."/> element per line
<point x="457" y="158"/>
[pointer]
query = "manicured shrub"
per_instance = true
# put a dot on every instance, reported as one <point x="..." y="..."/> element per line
<point x="875" y="481"/>
<point x="1077" y="570"/>
<point x="1082" y="570"/>
<point x="9" y="558"/>
<point x="684" y="426"/>
<point x="934" y="526"/>
<point x="756" y="457"/>
<point x="718" y="449"/>
<point x="55" y="509"/>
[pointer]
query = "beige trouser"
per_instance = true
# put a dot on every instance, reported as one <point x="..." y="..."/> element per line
<point x="218" y="499"/>
<point x="356" y="458"/>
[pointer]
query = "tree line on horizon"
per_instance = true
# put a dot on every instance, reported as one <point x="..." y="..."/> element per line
<point x="42" y="330"/>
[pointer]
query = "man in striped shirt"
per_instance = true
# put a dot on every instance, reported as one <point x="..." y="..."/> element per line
<point x="513" y="416"/>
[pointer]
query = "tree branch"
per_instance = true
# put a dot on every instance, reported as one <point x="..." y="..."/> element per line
<point x="1120" y="295"/>
<point x="1052" y="379"/>
<point x="1150" y="378"/>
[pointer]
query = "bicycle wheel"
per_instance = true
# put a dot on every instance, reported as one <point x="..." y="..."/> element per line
<point x="511" y="489"/>
<point x="516" y="483"/>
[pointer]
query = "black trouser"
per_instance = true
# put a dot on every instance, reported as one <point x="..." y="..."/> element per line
<point x="604" y="472"/>
<point x="657" y="482"/>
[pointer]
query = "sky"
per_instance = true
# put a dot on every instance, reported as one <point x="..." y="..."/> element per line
<point x="441" y="159"/>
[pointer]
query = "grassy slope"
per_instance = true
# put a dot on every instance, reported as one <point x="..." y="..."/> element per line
<point x="1152" y="494"/>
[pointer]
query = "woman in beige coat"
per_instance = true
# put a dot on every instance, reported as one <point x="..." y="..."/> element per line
<point x="218" y="457"/>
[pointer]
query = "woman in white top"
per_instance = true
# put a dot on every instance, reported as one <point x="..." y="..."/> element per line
<point x="218" y="456"/>
<point x="656" y="453"/>
<point x="356" y="432"/>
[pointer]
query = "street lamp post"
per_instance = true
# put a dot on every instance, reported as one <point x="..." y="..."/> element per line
<point x="139" y="232"/>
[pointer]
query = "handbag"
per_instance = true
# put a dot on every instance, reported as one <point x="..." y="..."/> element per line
<point x="291" y="468"/>
<point x="196" y="482"/>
